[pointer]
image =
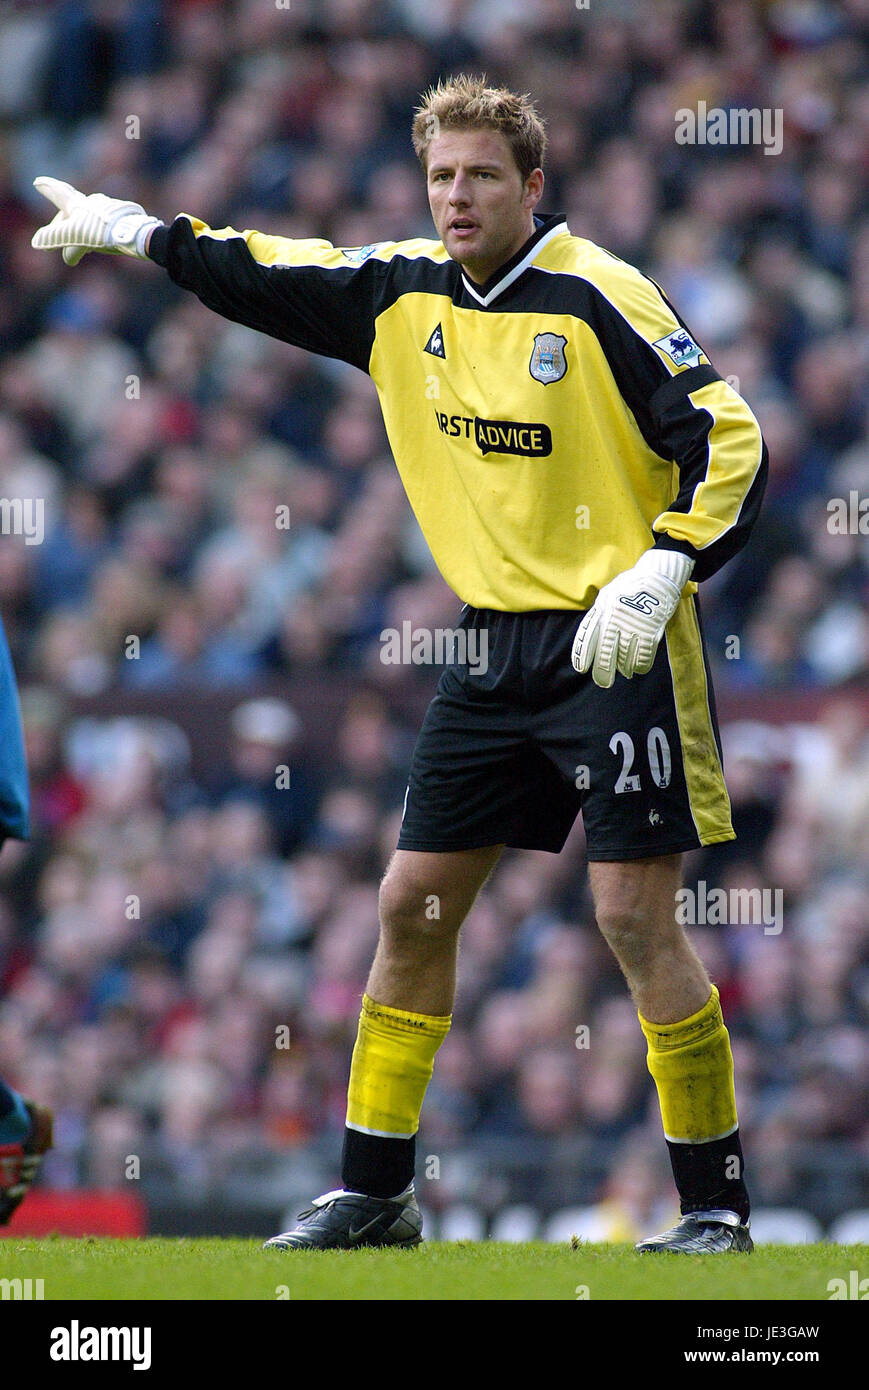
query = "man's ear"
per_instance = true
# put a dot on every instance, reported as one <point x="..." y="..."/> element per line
<point x="533" y="190"/>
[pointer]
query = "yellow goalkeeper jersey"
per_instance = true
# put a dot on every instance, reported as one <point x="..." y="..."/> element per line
<point x="549" y="425"/>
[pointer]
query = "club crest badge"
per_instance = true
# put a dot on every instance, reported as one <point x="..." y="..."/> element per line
<point x="681" y="348"/>
<point x="548" y="362"/>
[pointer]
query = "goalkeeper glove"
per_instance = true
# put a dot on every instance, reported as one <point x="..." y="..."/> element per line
<point x="91" y="222"/>
<point x="624" y="625"/>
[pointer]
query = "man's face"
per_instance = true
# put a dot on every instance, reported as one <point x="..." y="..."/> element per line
<point x="482" y="210"/>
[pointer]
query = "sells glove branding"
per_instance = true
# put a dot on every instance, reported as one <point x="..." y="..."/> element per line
<point x="643" y="602"/>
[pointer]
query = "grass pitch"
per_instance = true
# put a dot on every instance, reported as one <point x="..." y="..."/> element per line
<point x="222" y="1269"/>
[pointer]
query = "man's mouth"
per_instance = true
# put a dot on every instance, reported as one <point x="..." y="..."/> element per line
<point x="463" y="226"/>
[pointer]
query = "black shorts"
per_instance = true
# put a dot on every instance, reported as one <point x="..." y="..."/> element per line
<point x="515" y="743"/>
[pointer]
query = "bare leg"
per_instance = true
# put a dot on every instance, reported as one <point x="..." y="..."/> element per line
<point x="424" y="899"/>
<point x="636" y="912"/>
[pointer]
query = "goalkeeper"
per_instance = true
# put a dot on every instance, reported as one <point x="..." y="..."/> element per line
<point x="577" y="466"/>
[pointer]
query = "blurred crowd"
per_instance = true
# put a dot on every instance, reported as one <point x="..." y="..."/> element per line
<point x="182" y="959"/>
<point x="164" y="926"/>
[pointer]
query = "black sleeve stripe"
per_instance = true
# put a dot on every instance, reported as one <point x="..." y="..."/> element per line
<point x="682" y="384"/>
<point x="158" y="246"/>
<point x="330" y="311"/>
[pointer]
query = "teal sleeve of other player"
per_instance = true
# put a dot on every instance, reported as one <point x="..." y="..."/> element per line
<point x="14" y="790"/>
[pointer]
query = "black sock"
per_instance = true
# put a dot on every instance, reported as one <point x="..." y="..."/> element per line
<point x="376" y="1166"/>
<point x="711" y="1175"/>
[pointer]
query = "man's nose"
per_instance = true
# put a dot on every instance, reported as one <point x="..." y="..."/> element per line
<point x="460" y="193"/>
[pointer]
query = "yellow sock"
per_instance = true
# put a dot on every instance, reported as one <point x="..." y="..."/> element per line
<point x="692" y="1066"/>
<point x="392" y="1065"/>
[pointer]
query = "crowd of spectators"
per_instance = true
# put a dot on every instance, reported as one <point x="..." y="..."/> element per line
<point x="164" y="926"/>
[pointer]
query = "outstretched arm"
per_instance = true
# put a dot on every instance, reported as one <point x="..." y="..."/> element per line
<point x="306" y="292"/>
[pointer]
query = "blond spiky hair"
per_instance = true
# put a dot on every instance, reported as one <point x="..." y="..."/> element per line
<point x="468" y="103"/>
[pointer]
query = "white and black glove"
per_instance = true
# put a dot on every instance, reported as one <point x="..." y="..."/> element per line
<point x="91" y="222"/>
<point x="622" y="629"/>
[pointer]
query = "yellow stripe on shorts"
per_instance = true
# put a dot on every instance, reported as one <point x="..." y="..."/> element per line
<point x="704" y="775"/>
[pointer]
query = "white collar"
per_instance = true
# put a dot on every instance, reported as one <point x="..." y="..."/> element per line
<point x="518" y="269"/>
